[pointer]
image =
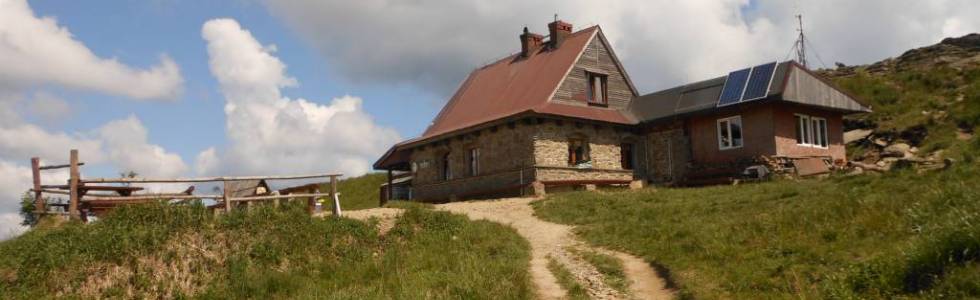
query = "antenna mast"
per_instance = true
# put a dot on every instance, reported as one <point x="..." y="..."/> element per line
<point x="800" y="43"/>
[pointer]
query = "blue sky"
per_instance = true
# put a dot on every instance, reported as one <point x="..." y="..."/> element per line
<point x="359" y="75"/>
<point x="136" y="32"/>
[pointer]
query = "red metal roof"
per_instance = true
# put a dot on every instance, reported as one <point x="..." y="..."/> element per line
<point x="511" y="86"/>
<point x="516" y="84"/>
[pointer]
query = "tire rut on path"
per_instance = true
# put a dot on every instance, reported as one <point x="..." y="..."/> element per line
<point x="554" y="240"/>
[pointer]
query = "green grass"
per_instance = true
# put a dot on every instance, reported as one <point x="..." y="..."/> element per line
<point x="567" y="281"/>
<point x="895" y="235"/>
<point x="936" y="101"/>
<point x="159" y="251"/>
<point x="610" y="267"/>
<point x="360" y="192"/>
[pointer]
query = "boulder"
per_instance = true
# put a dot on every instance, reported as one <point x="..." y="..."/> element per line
<point x="881" y="142"/>
<point x="896" y="150"/>
<point x="856" y="135"/>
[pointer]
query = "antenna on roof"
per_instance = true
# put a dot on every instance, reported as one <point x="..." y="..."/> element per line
<point x="556" y="17"/>
<point x="800" y="42"/>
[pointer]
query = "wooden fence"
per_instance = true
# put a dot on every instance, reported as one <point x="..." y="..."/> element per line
<point x="77" y="189"/>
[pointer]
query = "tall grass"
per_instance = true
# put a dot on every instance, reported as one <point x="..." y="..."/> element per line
<point x="868" y="236"/>
<point x="158" y="251"/>
<point x="360" y="192"/>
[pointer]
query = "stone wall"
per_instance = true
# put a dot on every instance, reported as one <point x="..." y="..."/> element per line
<point x="501" y="184"/>
<point x="501" y="149"/>
<point x="668" y="153"/>
<point x="547" y="174"/>
<point x="511" y="157"/>
<point x="551" y="143"/>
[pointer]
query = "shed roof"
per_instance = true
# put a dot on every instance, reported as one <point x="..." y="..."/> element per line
<point x="791" y="82"/>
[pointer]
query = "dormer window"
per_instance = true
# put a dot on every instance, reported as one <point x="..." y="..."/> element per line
<point x="597" y="88"/>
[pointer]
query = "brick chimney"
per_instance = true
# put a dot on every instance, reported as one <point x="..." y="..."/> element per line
<point x="530" y="42"/>
<point x="558" y="30"/>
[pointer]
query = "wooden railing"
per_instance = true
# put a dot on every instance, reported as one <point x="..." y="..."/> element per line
<point x="77" y="189"/>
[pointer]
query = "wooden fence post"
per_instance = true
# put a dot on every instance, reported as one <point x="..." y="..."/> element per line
<point x="334" y="198"/>
<point x="36" y="172"/>
<point x="226" y="197"/>
<point x="73" y="184"/>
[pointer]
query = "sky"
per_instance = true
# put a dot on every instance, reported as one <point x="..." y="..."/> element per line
<point x="170" y="88"/>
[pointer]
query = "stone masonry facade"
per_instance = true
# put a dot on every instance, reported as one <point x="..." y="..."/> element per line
<point x="515" y="154"/>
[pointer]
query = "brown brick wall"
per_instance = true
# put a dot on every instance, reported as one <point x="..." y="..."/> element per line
<point x="757" y="135"/>
<point x="785" y="135"/>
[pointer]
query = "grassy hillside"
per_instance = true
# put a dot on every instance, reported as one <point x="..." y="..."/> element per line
<point x="900" y="234"/>
<point x="178" y="252"/>
<point x="904" y="234"/>
<point x="927" y="97"/>
<point x="360" y="192"/>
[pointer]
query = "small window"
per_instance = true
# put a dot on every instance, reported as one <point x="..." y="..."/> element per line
<point x="811" y="131"/>
<point x="473" y="156"/>
<point x="578" y="151"/>
<point x="730" y="133"/>
<point x="446" y="170"/>
<point x="626" y="156"/>
<point x="819" y="132"/>
<point x="597" y="88"/>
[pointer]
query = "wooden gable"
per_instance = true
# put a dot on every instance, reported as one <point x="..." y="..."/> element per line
<point x="597" y="57"/>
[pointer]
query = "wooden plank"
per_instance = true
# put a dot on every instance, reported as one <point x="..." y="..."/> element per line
<point x="73" y="182"/>
<point x="112" y="188"/>
<point x="204" y="179"/>
<point x="271" y="197"/>
<point x="58" y="166"/>
<point x="54" y="192"/>
<point x="36" y="172"/>
<point x="148" y="197"/>
<point x="55" y="186"/>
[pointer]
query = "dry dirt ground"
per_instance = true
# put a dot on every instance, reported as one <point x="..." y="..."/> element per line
<point x="548" y="240"/>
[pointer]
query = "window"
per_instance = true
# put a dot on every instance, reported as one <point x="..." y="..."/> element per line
<point x="446" y="170"/>
<point x="473" y="156"/>
<point x="578" y="151"/>
<point x="730" y="133"/>
<point x="811" y="131"/>
<point x="597" y="88"/>
<point x="626" y="156"/>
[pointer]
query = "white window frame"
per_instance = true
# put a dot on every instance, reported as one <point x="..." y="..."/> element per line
<point x="813" y="136"/>
<point x="728" y="128"/>
<point x="474" y="161"/>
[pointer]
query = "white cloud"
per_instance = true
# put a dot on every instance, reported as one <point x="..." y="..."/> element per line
<point x="49" y="107"/>
<point x="433" y="44"/>
<point x="271" y="133"/>
<point x="128" y="147"/>
<point x="36" y="50"/>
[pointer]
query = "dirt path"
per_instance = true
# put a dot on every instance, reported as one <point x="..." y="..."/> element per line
<point x="386" y="216"/>
<point x="554" y="240"/>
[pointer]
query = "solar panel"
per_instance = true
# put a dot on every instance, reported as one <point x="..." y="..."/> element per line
<point x="759" y="80"/>
<point x="734" y="85"/>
